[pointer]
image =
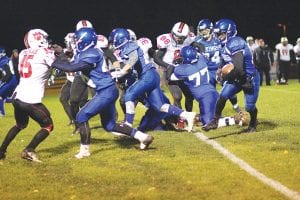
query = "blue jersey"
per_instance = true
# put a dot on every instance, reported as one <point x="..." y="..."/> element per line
<point x="8" y="81"/>
<point x="195" y="76"/>
<point x="98" y="73"/>
<point x="212" y="52"/>
<point x="237" y="44"/>
<point x="141" y="66"/>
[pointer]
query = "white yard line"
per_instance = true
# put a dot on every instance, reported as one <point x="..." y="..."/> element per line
<point x="252" y="171"/>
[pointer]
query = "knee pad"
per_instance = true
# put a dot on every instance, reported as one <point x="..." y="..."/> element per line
<point x="49" y="128"/>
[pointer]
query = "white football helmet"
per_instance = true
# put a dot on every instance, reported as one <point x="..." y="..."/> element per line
<point x="70" y="41"/>
<point x="132" y="35"/>
<point x="180" y="32"/>
<point x="102" y="41"/>
<point x="83" y="24"/>
<point x="36" y="38"/>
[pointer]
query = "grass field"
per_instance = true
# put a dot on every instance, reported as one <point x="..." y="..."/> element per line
<point x="177" y="166"/>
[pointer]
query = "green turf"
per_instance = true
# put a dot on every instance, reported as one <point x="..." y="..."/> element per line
<point x="177" y="165"/>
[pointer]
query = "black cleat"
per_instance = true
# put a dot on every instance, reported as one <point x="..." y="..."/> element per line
<point x="2" y="155"/>
<point x="213" y="124"/>
<point x="252" y="127"/>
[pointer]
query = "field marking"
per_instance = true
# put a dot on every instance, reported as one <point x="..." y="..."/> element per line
<point x="252" y="171"/>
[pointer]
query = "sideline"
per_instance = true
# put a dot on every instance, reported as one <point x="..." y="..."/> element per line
<point x="252" y="171"/>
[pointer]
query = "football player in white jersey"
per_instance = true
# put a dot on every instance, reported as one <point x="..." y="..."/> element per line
<point x="169" y="46"/>
<point x="65" y="92"/>
<point x="285" y="57"/>
<point x="34" y="65"/>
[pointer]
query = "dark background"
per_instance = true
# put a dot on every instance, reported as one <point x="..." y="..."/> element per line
<point x="147" y="18"/>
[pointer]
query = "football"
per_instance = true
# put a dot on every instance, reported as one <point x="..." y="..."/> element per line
<point x="226" y="69"/>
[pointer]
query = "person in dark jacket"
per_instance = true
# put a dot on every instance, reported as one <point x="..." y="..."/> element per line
<point x="263" y="59"/>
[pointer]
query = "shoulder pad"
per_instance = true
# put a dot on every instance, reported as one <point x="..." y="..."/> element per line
<point x="163" y="41"/>
<point x="132" y="46"/>
<point x="144" y="43"/>
<point x="92" y="55"/>
<point x="4" y="60"/>
<point x="235" y="44"/>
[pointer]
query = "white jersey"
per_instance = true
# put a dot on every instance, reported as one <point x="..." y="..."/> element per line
<point x="297" y="51"/>
<point x="145" y="44"/>
<point x="173" y="49"/>
<point x="34" y="65"/>
<point x="284" y="51"/>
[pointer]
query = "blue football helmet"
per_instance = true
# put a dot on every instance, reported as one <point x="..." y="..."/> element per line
<point x="205" y="28"/>
<point x="189" y="55"/>
<point x="226" y="27"/>
<point x="119" y="37"/>
<point x="2" y="52"/>
<point x="85" y="38"/>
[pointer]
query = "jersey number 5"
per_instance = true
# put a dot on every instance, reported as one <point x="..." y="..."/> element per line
<point x="25" y="66"/>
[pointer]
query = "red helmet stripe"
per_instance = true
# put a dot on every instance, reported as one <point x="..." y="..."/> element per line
<point x="84" y="24"/>
<point x="180" y="28"/>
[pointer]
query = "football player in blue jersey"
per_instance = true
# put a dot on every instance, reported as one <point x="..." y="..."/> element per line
<point x="8" y="79"/>
<point x="90" y="61"/>
<point x="194" y="72"/>
<point x="212" y="51"/>
<point x="238" y="72"/>
<point x="148" y="83"/>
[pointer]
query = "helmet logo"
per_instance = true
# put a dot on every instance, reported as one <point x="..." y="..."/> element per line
<point x="37" y="36"/>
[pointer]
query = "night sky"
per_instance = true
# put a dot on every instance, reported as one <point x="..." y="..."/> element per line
<point x="147" y="18"/>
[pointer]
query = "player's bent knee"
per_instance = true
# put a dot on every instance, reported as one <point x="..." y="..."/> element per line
<point x="49" y="128"/>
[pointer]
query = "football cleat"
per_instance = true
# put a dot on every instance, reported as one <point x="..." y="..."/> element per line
<point x="29" y="155"/>
<point x="82" y="154"/>
<point x="252" y="127"/>
<point x="190" y="118"/>
<point x="2" y="155"/>
<point x="145" y="144"/>
<point x="211" y="125"/>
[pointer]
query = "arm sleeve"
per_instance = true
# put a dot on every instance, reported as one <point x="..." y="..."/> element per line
<point x="199" y="47"/>
<point x="238" y="62"/>
<point x="109" y="54"/>
<point x="132" y="58"/>
<point x="71" y="67"/>
<point x="158" y="58"/>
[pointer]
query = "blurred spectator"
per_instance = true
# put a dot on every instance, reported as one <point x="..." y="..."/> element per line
<point x="263" y="59"/>
<point x="251" y="44"/>
<point x="297" y="53"/>
<point x="285" y="57"/>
